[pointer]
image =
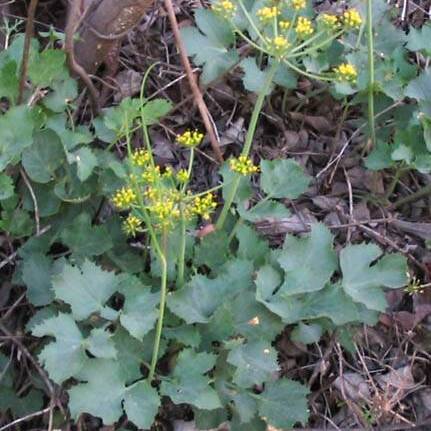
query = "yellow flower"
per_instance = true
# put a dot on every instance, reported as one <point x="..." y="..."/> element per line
<point x="304" y="27"/>
<point x="150" y="193"/>
<point x="268" y="13"/>
<point x="224" y="8"/>
<point x="182" y="176"/>
<point x="298" y="4"/>
<point x="140" y="157"/>
<point x="284" y="25"/>
<point x="131" y="225"/>
<point x="243" y="165"/>
<point x="169" y="172"/>
<point x="204" y="205"/>
<point x="190" y="138"/>
<point x="124" y="198"/>
<point x="352" y="19"/>
<point x="151" y="174"/>
<point x="331" y="22"/>
<point x="278" y="45"/>
<point x="346" y="72"/>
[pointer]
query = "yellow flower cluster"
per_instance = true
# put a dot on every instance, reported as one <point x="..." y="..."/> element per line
<point x="204" y="205"/>
<point x="243" y="165"/>
<point x="131" y="225"/>
<point x="331" y="22"/>
<point x="268" y="13"/>
<point x="225" y="8"/>
<point x="165" y="210"/>
<point x="284" y="25"/>
<point x="124" y="198"/>
<point x="190" y="138"/>
<point x="182" y="176"/>
<point x="151" y="174"/>
<point x="304" y="27"/>
<point x="140" y="157"/>
<point x="169" y="172"/>
<point x="352" y="19"/>
<point x="346" y="72"/>
<point x="278" y="45"/>
<point x="298" y="4"/>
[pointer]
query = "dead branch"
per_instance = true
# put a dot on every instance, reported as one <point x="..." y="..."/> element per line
<point x="26" y="52"/>
<point x="106" y="22"/>
<point x="203" y="109"/>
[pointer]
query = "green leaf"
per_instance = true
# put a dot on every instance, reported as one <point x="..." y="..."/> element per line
<point x="36" y="274"/>
<point x="66" y="356"/>
<point x="44" y="157"/>
<point x="100" y="344"/>
<point x="254" y="79"/>
<point x="283" y="178"/>
<point x="20" y="406"/>
<point x="140" y="312"/>
<point x="285" y="77"/>
<point x="307" y="334"/>
<point x="363" y="280"/>
<point x="84" y="239"/>
<point x="198" y="300"/>
<point x="85" y="161"/>
<point x="64" y="91"/>
<point x="418" y="39"/>
<point x="212" y="250"/>
<point x="331" y="302"/>
<point x="245" y="406"/>
<point x="264" y="210"/>
<point x="141" y="402"/>
<point x="188" y="385"/>
<point x="13" y="140"/>
<point x="256" y="363"/>
<point x="86" y="289"/>
<point x="103" y="377"/>
<point x="380" y="157"/>
<point x="244" y="190"/>
<point x="6" y="186"/>
<point x="420" y="88"/>
<point x="308" y="262"/>
<point x="210" y="48"/>
<point x="9" y="81"/>
<point x="48" y="67"/>
<point x="186" y="335"/>
<point x="154" y="110"/>
<point x="251" y="246"/>
<point x="284" y="403"/>
<point x="209" y="419"/>
<point x="130" y="354"/>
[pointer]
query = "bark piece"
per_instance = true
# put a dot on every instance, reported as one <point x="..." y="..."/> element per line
<point x="106" y="23"/>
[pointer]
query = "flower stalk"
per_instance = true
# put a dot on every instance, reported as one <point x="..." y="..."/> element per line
<point x="248" y="142"/>
<point x="371" y="73"/>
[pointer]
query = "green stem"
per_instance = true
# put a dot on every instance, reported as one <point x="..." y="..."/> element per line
<point x="371" y="79"/>
<point x="313" y="48"/>
<point x="250" y="42"/>
<point x="250" y="20"/>
<point x="189" y="170"/>
<point x="398" y="172"/>
<point x="307" y="42"/>
<point x="308" y="74"/>
<point x="163" y="291"/>
<point x="424" y="191"/>
<point x="143" y="101"/>
<point x="182" y="252"/>
<point x="248" y="142"/>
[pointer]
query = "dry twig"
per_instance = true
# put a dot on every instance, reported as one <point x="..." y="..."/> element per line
<point x="203" y="109"/>
<point x="26" y="52"/>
